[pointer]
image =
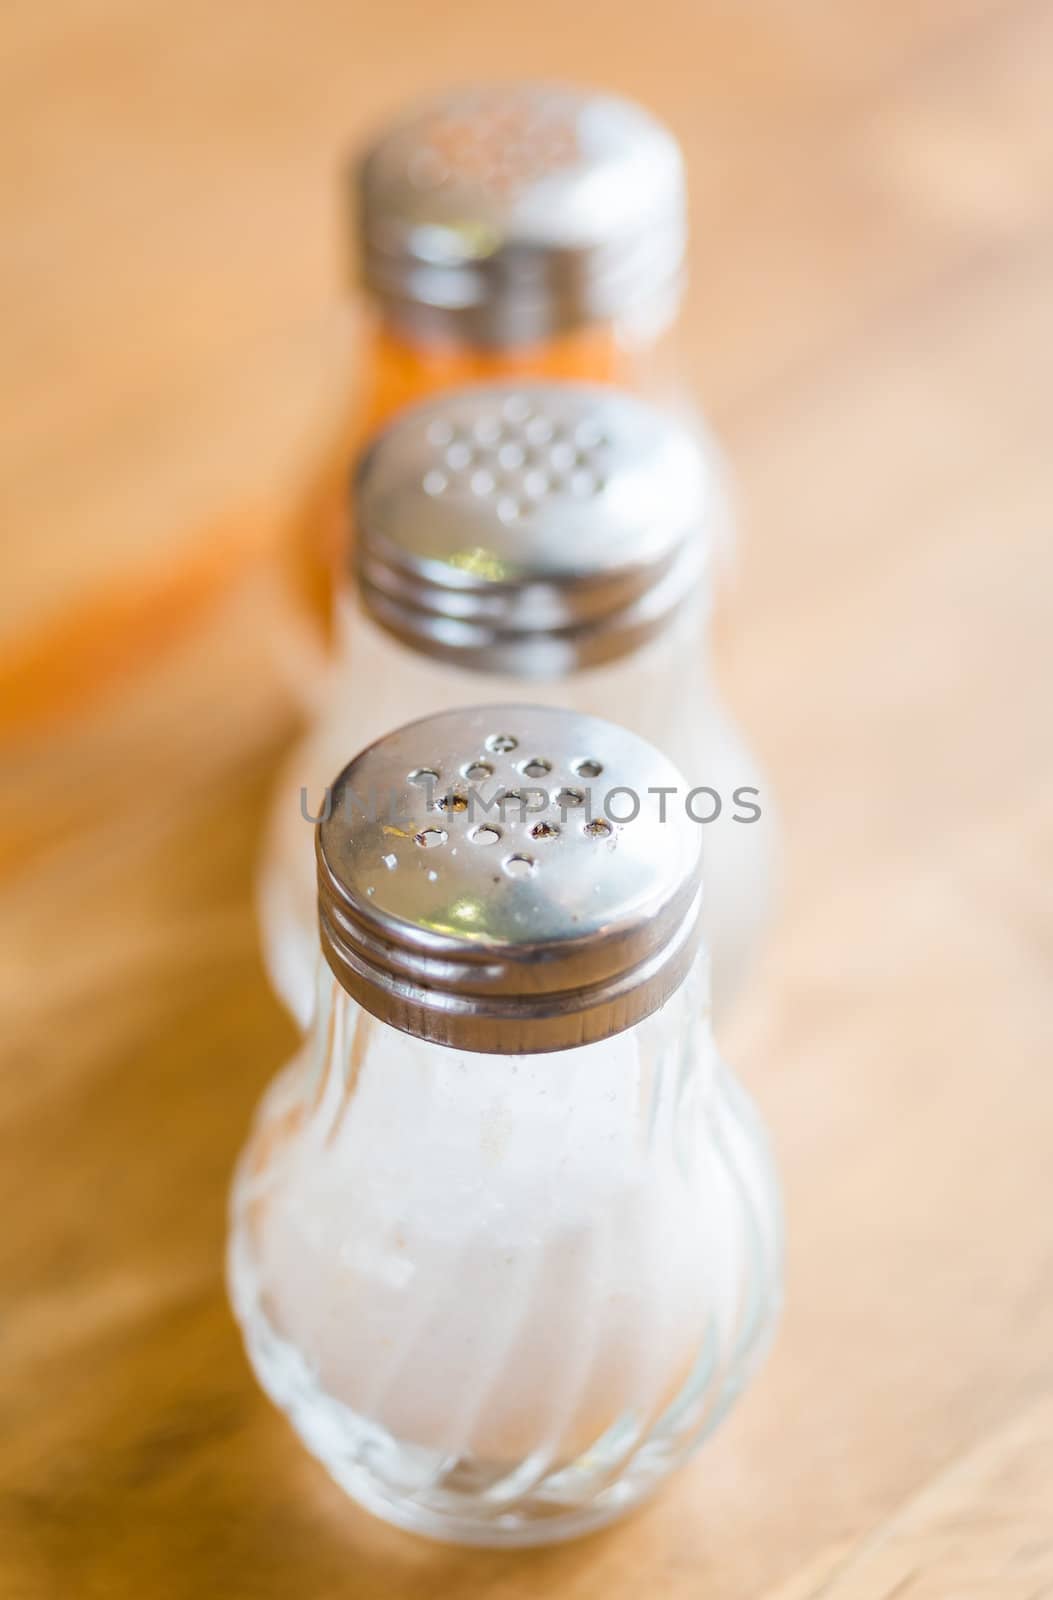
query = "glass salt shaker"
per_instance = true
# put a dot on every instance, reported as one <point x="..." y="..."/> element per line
<point x="527" y="229"/>
<point x="506" y="1239"/>
<point x="545" y="540"/>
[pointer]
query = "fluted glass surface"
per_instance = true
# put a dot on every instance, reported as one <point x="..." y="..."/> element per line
<point x="500" y="1297"/>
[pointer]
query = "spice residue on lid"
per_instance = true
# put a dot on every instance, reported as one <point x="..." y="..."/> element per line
<point x="506" y="213"/>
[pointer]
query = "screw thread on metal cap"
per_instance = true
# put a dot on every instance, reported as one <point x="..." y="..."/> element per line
<point x="474" y="891"/>
<point x="505" y="214"/>
<point x="521" y="527"/>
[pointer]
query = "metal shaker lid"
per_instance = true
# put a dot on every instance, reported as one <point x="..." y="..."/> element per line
<point x="505" y="213"/>
<point x="531" y="528"/>
<point x="474" y="891"/>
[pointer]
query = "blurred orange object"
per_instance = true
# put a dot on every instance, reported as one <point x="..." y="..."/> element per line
<point x="164" y="510"/>
<point x="113" y="634"/>
<point x="517" y="229"/>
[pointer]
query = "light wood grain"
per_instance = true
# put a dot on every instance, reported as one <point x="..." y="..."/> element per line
<point x="983" y="1529"/>
<point x="871" y="325"/>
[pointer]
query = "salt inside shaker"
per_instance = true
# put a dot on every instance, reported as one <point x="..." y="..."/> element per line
<point x="550" y="541"/>
<point x="505" y="1238"/>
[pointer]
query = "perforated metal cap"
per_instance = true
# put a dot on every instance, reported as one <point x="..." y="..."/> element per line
<point x="531" y="528"/>
<point x="515" y="925"/>
<point x="505" y="213"/>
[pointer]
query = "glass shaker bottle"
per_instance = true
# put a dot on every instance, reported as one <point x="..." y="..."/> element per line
<point x="530" y="229"/>
<point x="505" y="1237"/>
<point x="550" y="541"/>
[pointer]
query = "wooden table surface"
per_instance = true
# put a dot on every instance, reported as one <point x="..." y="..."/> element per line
<point x="871" y="326"/>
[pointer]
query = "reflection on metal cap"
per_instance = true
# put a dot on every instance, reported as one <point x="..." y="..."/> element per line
<point x="473" y="892"/>
<point x="506" y="213"/>
<point x="531" y="528"/>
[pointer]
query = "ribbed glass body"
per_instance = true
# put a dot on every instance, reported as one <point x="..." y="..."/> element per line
<point x="662" y="691"/>
<point x="501" y="1297"/>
